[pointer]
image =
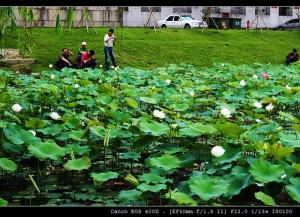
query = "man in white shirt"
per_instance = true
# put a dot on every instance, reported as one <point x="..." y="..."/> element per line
<point x="109" y="40"/>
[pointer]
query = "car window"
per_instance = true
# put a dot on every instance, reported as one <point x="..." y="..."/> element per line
<point x="293" y="21"/>
<point x="187" y="18"/>
<point x="176" y="18"/>
<point x="170" y="18"/>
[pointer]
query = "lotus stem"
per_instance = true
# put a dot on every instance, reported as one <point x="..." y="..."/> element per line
<point x="35" y="186"/>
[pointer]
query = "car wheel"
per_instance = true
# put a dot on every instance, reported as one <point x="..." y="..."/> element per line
<point x="187" y="26"/>
<point x="164" y="26"/>
<point x="280" y="28"/>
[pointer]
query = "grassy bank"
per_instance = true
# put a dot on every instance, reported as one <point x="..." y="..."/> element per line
<point x="146" y="48"/>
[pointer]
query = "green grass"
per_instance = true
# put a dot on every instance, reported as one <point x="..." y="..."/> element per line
<point x="146" y="48"/>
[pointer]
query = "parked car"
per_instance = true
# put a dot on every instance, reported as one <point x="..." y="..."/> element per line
<point x="291" y="24"/>
<point x="181" y="21"/>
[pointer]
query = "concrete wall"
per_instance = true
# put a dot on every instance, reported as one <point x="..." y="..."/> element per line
<point x="100" y="16"/>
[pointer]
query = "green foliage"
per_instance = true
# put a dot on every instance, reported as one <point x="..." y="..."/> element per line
<point x="7" y="165"/>
<point x="70" y="18"/>
<point x="160" y="49"/>
<point x="113" y="138"/>
<point x="78" y="164"/>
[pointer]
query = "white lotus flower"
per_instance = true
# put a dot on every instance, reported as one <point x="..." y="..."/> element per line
<point x="257" y="120"/>
<point x="16" y="108"/>
<point x="82" y="123"/>
<point x="168" y="81"/>
<point x="225" y="112"/>
<point x="192" y="93"/>
<point x="217" y="151"/>
<point x="174" y="126"/>
<point x="50" y="66"/>
<point x="100" y="66"/>
<point x="33" y="132"/>
<point x="288" y="87"/>
<point x="242" y="83"/>
<point x="257" y="104"/>
<point x="54" y="115"/>
<point x="52" y="76"/>
<point x="255" y="76"/>
<point x="77" y="85"/>
<point x="159" y="114"/>
<point x="269" y="107"/>
<point x="222" y="64"/>
<point x="283" y="176"/>
<point x="260" y="184"/>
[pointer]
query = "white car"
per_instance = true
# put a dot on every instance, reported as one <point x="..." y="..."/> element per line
<point x="181" y="21"/>
<point x="292" y="24"/>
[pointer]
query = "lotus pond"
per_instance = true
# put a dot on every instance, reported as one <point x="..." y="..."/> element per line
<point x="175" y="135"/>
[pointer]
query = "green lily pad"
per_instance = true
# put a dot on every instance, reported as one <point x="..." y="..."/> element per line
<point x="207" y="188"/>
<point x="36" y="123"/>
<point x="154" y="128"/>
<point x="127" y="195"/>
<point x="7" y="164"/>
<point x="153" y="188"/>
<point x="203" y="129"/>
<point x="166" y="161"/>
<point x="265" y="172"/>
<point x="131" y="102"/>
<point x="78" y="135"/>
<point x="154" y="178"/>
<point x="13" y="149"/>
<point x="3" y="202"/>
<point x="266" y="199"/>
<point x="103" y="177"/>
<point x="78" y="164"/>
<point x="54" y="130"/>
<point x="20" y="136"/>
<point x="77" y="148"/>
<point x="181" y="198"/>
<point x="294" y="188"/>
<point x="47" y="149"/>
<point x="148" y="100"/>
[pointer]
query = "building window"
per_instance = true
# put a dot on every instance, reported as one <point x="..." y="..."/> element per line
<point x="237" y="10"/>
<point x="262" y="10"/>
<point x="285" y="11"/>
<point x="147" y="9"/>
<point x="211" y="10"/>
<point x="180" y="10"/>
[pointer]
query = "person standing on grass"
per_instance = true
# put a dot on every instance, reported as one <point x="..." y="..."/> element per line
<point x="292" y="57"/>
<point x="64" y="60"/>
<point x="109" y="40"/>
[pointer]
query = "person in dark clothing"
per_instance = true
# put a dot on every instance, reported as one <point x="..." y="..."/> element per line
<point x="292" y="57"/>
<point x="64" y="60"/>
